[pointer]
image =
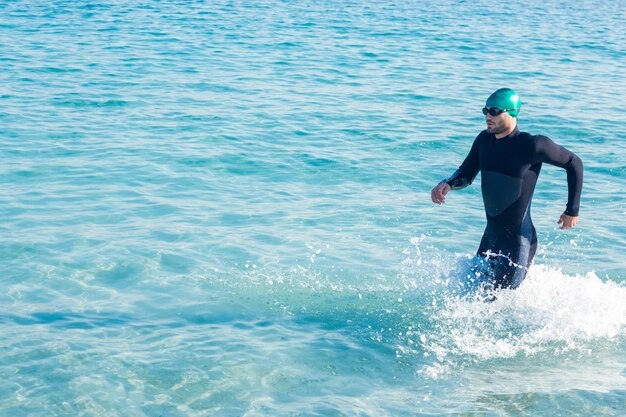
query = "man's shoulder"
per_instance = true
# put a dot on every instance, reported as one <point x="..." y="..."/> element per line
<point x="531" y="136"/>
<point x="535" y="143"/>
<point x="531" y="139"/>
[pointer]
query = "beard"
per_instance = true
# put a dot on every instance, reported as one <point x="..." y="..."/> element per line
<point x="496" y="128"/>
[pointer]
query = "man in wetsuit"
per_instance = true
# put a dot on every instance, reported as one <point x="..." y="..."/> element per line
<point x="510" y="161"/>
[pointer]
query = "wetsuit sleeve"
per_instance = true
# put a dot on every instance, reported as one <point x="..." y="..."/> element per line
<point x="548" y="151"/>
<point x="468" y="170"/>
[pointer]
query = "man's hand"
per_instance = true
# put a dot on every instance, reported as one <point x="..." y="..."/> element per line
<point x="567" y="222"/>
<point x="438" y="194"/>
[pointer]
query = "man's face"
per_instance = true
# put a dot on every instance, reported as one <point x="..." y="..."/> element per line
<point x="500" y="123"/>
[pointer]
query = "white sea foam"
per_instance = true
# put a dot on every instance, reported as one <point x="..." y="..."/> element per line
<point x="551" y="312"/>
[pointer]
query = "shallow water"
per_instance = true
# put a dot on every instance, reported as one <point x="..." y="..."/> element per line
<point x="222" y="208"/>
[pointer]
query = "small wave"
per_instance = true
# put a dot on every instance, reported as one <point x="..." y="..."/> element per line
<point x="91" y="103"/>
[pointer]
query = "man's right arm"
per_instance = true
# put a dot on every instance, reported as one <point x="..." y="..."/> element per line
<point x="468" y="170"/>
<point x="461" y="178"/>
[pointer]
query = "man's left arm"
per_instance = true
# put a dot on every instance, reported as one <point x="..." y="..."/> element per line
<point x="548" y="151"/>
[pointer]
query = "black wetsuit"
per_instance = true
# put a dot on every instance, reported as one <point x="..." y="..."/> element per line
<point x="509" y="170"/>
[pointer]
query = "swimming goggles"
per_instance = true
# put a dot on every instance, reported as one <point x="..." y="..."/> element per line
<point x="494" y="111"/>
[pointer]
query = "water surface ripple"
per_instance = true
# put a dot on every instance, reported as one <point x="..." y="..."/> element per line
<point x="221" y="208"/>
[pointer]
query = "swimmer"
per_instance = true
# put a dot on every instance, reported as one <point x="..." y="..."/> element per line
<point x="510" y="162"/>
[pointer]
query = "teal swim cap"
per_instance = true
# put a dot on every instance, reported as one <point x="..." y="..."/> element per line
<point x="505" y="98"/>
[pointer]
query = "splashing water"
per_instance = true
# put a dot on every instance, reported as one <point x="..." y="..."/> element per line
<point x="551" y="313"/>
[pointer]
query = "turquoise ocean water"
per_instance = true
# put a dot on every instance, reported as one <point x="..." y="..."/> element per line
<point x="222" y="208"/>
